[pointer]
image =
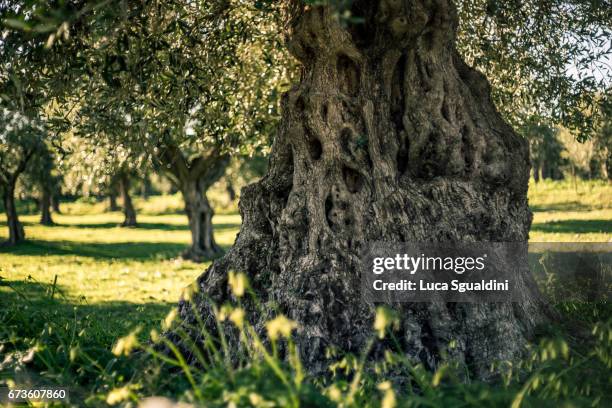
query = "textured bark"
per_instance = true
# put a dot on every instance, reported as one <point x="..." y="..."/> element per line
<point x="16" y="232"/>
<point x="389" y="136"/>
<point x="45" y="206"/>
<point x="128" y="208"/>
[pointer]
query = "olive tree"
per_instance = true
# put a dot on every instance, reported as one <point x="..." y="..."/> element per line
<point x="199" y="83"/>
<point x="390" y="135"/>
<point x="20" y="139"/>
<point x="42" y="178"/>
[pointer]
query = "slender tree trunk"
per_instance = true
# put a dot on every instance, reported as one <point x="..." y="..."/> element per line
<point x="112" y="201"/>
<point x="128" y="207"/>
<point x="16" y="231"/>
<point x="146" y="187"/>
<point x="536" y="173"/>
<point x="230" y="190"/>
<point x="200" y="213"/>
<point x="389" y="136"/>
<point x="55" y="202"/>
<point x="45" y="206"/>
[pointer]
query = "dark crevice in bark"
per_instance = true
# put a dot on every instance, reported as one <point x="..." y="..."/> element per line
<point x="324" y="112"/>
<point x="300" y="105"/>
<point x="348" y="75"/>
<point x="314" y="146"/>
<point x="467" y="150"/>
<point x="402" y="157"/>
<point x="429" y="354"/>
<point x="397" y="93"/>
<point x="352" y="179"/>
<point x="346" y="139"/>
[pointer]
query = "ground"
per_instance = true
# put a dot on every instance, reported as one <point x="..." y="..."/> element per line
<point x="112" y="279"/>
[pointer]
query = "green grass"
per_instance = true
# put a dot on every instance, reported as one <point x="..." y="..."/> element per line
<point x="568" y="212"/>
<point x="96" y="262"/>
<point x="74" y="289"/>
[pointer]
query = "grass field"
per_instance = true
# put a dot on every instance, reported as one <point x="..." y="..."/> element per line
<point x="119" y="270"/>
<point x="100" y="281"/>
<point x="568" y="212"/>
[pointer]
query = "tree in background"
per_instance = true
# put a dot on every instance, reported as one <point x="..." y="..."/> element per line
<point x="94" y="168"/>
<point x="545" y="149"/>
<point x="603" y="139"/>
<point x="197" y="83"/>
<point x="41" y="177"/>
<point x="111" y="192"/>
<point x="128" y="207"/>
<point x="20" y="139"/>
<point x="30" y="78"/>
<point x="193" y="177"/>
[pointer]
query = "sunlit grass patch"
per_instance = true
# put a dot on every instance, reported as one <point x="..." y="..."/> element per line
<point x="568" y="212"/>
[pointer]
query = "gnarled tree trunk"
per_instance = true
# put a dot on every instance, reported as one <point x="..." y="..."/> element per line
<point x="45" y="206"/>
<point x="389" y="136"/>
<point x="193" y="178"/>
<point x="200" y="213"/>
<point x="128" y="208"/>
<point x="16" y="231"/>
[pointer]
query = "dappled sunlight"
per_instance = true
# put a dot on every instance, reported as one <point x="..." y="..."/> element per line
<point x="97" y="261"/>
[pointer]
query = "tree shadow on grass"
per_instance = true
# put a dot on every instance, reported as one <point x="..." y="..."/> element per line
<point x="574" y="226"/>
<point x="99" y="250"/>
<point x="567" y="206"/>
<point x="142" y="225"/>
<point x="27" y="306"/>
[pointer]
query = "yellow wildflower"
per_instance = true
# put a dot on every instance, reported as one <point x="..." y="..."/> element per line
<point x="125" y="344"/>
<point x="237" y="317"/>
<point x="167" y="323"/>
<point x="117" y="395"/>
<point x="238" y="283"/>
<point x="384" y="318"/>
<point x="388" y="400"/>
<point x="280" y="326"/>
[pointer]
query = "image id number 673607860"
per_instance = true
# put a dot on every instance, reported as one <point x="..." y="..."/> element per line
<point x="33" y="394"/>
